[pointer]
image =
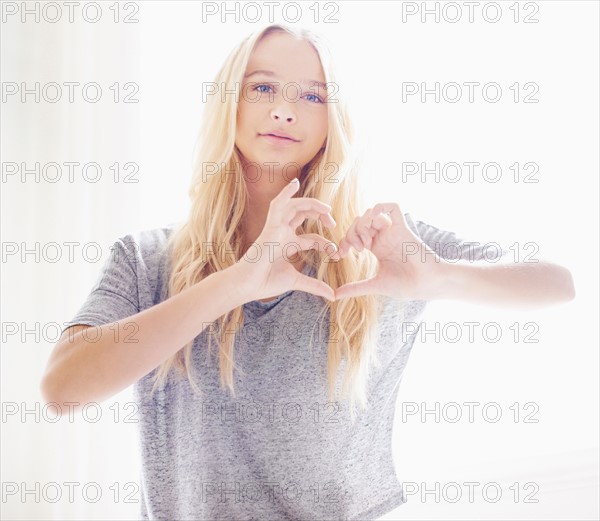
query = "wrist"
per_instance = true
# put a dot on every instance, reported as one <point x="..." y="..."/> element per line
<point x="454" y="280"/>
<point x="239" y="282"/>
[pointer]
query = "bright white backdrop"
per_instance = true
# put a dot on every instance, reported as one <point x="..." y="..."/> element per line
<point x="168" y="53"/>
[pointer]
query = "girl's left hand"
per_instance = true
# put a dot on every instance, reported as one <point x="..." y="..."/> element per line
<point x="407" y="268"/>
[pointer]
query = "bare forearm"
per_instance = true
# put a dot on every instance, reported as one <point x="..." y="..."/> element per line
<point x="520" y="285"/>
<point x="99" y="363"/>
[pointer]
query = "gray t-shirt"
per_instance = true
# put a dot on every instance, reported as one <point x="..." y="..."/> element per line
<point x="279" y="450"/>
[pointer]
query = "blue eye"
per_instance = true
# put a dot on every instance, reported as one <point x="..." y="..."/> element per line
<point x="261" y="85"/>
<point x="317" y="97"/>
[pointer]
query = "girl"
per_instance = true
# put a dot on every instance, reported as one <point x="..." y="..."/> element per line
<point x="255" y="268"/>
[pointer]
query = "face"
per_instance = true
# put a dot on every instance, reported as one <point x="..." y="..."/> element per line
<point x="282" y="98"/>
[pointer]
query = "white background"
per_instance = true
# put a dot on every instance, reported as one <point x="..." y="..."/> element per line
<point x="169" y="53"/>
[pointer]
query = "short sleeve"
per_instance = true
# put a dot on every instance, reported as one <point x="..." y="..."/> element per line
<point x="452" y="247"/>
<point x="114" y="296"/>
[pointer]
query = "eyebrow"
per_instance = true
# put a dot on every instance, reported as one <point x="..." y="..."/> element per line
<point x="272" y="74"/>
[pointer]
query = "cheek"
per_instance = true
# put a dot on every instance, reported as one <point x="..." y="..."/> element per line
<point x="244" y="125"/>
<point x="320" y="127"/>
<point x="244" y="114"/>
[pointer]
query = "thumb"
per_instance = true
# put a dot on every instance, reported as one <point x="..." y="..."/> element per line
<point x="314" y="286"/>
<point x="356" y="289"/>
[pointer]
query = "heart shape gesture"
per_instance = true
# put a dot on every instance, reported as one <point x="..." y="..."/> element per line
<point x="407" y="267"/>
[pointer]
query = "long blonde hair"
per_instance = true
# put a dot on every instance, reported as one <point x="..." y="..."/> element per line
<point x="218" y="205"/>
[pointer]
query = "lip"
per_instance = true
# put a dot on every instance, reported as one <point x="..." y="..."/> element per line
<point x="280" y="134"/>
<point x="278" y="140"/>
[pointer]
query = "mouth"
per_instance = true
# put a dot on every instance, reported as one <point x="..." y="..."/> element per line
<point x="281" y="138"/>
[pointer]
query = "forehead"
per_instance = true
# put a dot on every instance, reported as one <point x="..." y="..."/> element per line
<point x="287" y="57"/>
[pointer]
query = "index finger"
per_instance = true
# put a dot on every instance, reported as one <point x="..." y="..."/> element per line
<point x="287" y="191"/>
<point x="310" y="203"/>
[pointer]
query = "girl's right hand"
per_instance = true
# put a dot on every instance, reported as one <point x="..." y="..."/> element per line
<point x="265" y="264"/>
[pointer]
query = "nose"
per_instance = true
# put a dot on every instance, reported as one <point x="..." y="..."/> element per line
<point x="283" y="113"/>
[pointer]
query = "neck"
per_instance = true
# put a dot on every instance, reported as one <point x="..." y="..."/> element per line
<point x="262" y="187"/>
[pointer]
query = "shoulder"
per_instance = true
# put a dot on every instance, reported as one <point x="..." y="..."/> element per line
<point x="147" y="261"/>
<point x="146" y="244"/>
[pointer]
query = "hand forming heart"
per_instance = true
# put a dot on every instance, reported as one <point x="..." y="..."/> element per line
<point x="407" y="267"/>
